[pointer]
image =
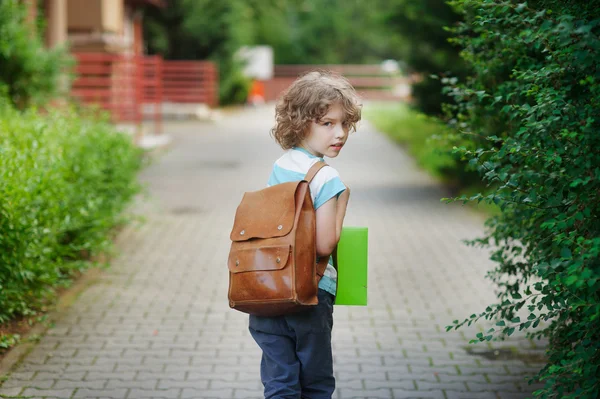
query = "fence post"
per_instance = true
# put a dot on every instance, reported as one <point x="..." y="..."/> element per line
<point x="159" y="95"/>
<point x="215" y="85"/>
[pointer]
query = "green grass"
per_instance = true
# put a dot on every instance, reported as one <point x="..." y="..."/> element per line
<point x="424" y="138"/>
<point x="416" y="132"/>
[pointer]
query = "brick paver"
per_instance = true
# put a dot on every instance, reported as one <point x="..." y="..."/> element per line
<point x="157" y="324"/>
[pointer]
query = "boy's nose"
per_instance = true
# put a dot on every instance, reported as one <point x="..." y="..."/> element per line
<point x="340" y="132"/>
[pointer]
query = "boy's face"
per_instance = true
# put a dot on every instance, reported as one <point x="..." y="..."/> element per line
<point x="327" y="136"/>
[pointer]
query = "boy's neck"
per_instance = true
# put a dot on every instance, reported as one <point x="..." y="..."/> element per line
<point x="309" y="150"/>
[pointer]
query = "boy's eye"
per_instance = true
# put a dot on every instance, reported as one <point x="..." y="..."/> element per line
<point x="327" y="124"/>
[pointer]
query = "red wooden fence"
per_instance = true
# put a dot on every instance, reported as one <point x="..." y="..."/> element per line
<point x="111" y="82"/>
<point x="124" y="85"/>
<point x="190" y="82"/>
<point x="370" y="81"/>
<point x="152" y="87"/>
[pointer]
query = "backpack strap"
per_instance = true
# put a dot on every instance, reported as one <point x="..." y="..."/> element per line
<point x="322" y="264"/>
<point x="313" y="171"/>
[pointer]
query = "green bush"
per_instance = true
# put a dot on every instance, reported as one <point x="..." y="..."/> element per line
<point x="530" y="111"/>
<point x="31" y="73"/>
<point x="64" y="181"/>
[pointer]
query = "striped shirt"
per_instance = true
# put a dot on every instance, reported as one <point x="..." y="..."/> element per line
<point x="293" y="166"/>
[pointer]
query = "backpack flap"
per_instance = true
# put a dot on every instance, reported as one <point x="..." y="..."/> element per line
<point x="258" y="259"/>
<point x="266" y="213"/>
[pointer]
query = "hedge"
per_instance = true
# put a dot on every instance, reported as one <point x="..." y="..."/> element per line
<point x="529" y="115"/>
<point x="64" y="182"/>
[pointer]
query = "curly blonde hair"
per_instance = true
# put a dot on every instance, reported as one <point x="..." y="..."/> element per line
<point x="309" y="99"/>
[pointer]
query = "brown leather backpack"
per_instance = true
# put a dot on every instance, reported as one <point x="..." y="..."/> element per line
<point x="272" y="260"/>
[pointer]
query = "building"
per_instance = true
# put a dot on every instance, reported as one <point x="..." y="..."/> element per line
<point x="99" y="26"/>
<point x="111" y="70"/>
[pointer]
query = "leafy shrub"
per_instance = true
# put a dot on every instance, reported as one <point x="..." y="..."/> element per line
<point x="530" y="108"/>
<point x="31" y="73"/>
<point x="64" y="181"/>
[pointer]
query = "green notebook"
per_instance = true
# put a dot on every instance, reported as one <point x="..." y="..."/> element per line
<point x="352" y="255"/>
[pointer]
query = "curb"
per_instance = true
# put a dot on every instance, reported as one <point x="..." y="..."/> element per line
<point x="25" y="345"/>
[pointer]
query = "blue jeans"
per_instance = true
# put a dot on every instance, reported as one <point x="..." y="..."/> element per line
<point x="297" y="361"/>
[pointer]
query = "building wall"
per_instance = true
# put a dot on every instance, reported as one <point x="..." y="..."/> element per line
<point x="98" y="26"/>
<point x="128" y="36"/>
<point x="104" y="16"/>
<point x="112" y="15"/>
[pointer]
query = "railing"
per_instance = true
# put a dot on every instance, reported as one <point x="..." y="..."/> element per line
<point x="152" y="88"/>
<point x="370" y="81"/>
<point x="190" y="82"/>
<point x="344" y="69"/>
<point x="127" y="85"/>
<point x="111" y="82"/>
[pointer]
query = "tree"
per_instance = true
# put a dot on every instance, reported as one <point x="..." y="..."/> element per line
<point x="426" y="48"/>
<point x="29" y="73"/>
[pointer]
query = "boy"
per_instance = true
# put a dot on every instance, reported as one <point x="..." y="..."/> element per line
<point x="313" y="120"/>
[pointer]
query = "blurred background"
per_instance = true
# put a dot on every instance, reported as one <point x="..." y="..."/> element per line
<point x="496" y="100"/>
<point x="146" y="60"/>
<point x="401" y="39"/>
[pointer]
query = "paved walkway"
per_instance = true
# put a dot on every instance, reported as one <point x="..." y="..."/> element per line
<point x="158" y="325"/>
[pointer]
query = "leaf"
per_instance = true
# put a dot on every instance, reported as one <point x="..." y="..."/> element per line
<point x="566" y="253"/>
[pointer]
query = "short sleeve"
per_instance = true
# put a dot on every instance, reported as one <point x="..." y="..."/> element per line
<point x="326" y="185"/>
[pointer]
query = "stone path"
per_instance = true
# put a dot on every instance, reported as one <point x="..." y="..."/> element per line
<point x="157" y="324"/>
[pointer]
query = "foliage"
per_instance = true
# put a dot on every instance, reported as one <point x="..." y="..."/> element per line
<point x="8" y="340"/>
<point x="320" y="31"/>
<point x="64" y="181"/>
<point x="30" y="73"/>
<point x="530" y="111"/>
<point x="426" y="49"/>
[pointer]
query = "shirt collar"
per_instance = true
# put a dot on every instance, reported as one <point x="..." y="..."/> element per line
<point x="307" y="153"/>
